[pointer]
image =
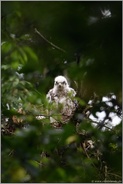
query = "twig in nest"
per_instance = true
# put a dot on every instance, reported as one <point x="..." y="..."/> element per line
<point x="53" y="45"/>
<point x="84" y="149"/>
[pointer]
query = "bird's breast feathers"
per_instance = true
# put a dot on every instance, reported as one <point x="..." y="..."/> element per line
<point x="60" y="96"/>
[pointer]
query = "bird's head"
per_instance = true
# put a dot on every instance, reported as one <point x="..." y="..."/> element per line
<point x="60" y="83"/>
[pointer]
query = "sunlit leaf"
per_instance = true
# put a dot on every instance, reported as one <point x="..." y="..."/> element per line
<point x="71" y="139"/>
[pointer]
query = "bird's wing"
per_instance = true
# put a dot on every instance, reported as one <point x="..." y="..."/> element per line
<point x="72" y="92"/>
<point x="49" y="95"/>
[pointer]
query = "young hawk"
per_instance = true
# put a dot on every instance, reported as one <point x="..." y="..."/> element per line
<point x="61" y="98"/>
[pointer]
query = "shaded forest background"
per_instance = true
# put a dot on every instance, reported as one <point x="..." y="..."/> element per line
<point x="82" y="41"/>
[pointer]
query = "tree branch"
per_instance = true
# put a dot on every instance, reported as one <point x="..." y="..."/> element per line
<point x="53" y="45"/>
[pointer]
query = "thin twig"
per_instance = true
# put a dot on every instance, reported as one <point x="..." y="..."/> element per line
<point x="53" y="45"/>
<point x="83" y="147"/>
<point x="116" y="175"/>
<point x="103" y="125"/>
<point x="11" y="152"/>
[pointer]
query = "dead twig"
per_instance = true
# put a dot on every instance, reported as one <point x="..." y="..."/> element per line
<point x="53" y="45"/>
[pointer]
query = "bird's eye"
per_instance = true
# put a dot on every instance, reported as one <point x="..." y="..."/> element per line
<point x="63" y="82"/>
<point x="56" y="83"/>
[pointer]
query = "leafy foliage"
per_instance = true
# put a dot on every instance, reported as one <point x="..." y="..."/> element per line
<point x="81" y="40"/>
